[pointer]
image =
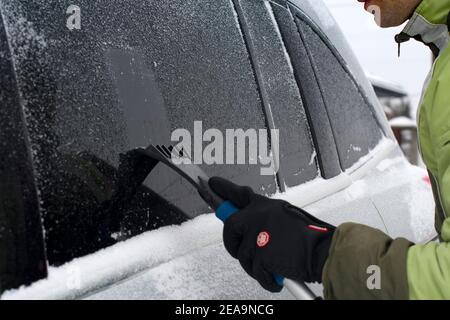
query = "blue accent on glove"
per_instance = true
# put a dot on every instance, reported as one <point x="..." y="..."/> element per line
<point x="225" y="210"/>
<point x="279" y="279"/>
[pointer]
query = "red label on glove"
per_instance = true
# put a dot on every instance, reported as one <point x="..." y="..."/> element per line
<point x="262" y="239"/>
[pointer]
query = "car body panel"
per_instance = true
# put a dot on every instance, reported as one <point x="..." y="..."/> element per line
<point x="189" y="261"/>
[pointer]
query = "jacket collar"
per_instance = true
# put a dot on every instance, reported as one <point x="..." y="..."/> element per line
<point x="429" y="24"/>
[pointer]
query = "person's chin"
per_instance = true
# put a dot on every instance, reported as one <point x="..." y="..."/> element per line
<point x="382" y="24"/>
<point x="387" y="24"/>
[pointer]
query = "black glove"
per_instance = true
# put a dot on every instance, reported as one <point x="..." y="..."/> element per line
<point x="270" y="236"/>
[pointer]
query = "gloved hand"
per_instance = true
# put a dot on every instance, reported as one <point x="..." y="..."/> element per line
<point x="271" y="236"/>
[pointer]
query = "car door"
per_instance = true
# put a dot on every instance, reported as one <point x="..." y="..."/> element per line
<point x="335" y="184"/>
<point x="125" y="80"/>
<point x="325" y="188"/>
<point x="328" y="193"/>
<point x="342" y="127"/>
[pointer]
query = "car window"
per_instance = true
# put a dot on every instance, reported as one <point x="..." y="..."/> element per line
<point x="302" y="68"/>
<point x="352" y="119"/>
<point x="320" y="16"/>
<point x="281" y="95"/>
<point x="126" y="79"/>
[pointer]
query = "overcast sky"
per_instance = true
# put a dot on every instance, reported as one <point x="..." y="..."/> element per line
<point x="376" y="49"/>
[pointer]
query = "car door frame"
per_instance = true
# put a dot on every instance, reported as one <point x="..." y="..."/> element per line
<point x="21" y="229"/>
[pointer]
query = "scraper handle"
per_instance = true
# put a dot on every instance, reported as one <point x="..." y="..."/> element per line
<point x="225" y="210"/>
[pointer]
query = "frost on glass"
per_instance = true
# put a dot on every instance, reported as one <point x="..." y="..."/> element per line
<point x="281" y="93"/>
<point x="353" y="123"/>
<point x="82" y="110"/>
<point x="319" y="13"/>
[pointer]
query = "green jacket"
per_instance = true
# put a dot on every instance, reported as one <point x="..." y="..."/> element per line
<point x="407" y="271"/>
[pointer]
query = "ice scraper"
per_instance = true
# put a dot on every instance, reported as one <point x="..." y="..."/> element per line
<point x="180" y="163"/>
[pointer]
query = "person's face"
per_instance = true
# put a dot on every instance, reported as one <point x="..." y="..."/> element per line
<point x="390" y="13"/>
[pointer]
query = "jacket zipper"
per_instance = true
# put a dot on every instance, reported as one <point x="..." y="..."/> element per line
<point x="429" y="78"/>
<point x="400" y="38"/>
<point x="439" y="195"/>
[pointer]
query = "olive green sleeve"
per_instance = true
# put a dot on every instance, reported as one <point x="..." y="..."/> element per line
<point x="354" y="252"/>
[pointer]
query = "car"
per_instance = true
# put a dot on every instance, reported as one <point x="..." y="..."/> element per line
<point x="78" y="98"/>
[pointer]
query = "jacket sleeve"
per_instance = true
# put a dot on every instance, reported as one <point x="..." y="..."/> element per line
<point x="355" y="252"/>
<point x="429" y="265"/>
<point x="429" y="271"/>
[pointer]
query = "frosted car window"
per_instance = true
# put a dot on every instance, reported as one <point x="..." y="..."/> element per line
<point x="282" y="98"/>
<point x="353" y="123"/>
<point x="133" y="73"/>
<point x="321" y="133"/>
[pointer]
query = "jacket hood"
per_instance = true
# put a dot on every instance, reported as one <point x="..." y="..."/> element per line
<point x="429" y="24"/>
